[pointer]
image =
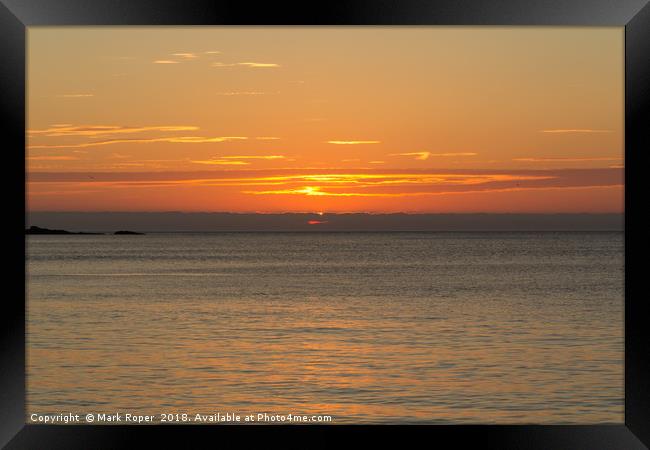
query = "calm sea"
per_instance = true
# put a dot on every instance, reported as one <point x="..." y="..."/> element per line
<point x="365" y="327"/>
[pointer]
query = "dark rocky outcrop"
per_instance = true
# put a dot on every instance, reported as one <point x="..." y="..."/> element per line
<point x="38" y="230"/>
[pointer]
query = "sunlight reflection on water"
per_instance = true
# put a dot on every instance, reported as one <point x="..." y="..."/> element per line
<point x="406" y="327"/>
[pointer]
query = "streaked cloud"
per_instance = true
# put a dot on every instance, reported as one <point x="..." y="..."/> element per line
<point x="267" y="138"/>
<point x="419" y="184"/>
<point x="607" y="158"/>
<point x="51" y="158"/>
<point x="175" y="140"/>
<point x="254" y="64"/>
<point x="165" y="61"/>
<point x="220" y="162"/>
<point x="186" y="55"/>
<point x="235" y="93"/>
<point x="254" y="157"/>
<point x="576" y="130"/>
<point x="338" y="182"/>
<point x="246" y="64"/>
<point x="236" y="160"/>
<point x="317" y="191"/>
<point x="102" y="130"/>
<point x="418" y="155"/>
<point x="454" y="154"/>
<point x="221" y="64"/>
<point x="353" y="142"/>
<point x="423" y="156"/>
<point x="377" y="162"/>
<point x="337" y="176"/>
<point x="212" y="52"/>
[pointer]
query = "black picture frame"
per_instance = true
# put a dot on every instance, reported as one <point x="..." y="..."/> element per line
<point x="16" y="15"/>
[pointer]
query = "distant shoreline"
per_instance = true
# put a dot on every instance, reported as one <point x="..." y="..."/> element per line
<point x="149" y="232"/>
<point x="178" y="222"/>
<point x="35" y="230"/>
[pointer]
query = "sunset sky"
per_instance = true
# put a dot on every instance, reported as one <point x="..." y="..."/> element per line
<point x="334" y="119"/>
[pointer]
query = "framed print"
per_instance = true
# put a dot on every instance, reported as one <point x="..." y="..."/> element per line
<point x="377" y="220"/>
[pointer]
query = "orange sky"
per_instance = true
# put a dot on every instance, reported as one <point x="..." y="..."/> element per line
<point x="376" y="119"/>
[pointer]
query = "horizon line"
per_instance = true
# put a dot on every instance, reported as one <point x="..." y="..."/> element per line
<point x="374" y="213"/>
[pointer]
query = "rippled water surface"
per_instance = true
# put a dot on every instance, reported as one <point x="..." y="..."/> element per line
<point x="375" y="327"/>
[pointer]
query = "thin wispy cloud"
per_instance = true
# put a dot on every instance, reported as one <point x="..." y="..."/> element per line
<point x="377" y="162"/>
<point x="353" y="142"/>
<point x="333" y="184"/>
<point x="417" y="184"/>
<point x="212" y="52"/>
<point x="220" y="64"/>
<point x="235" y="93"/>
<point x="339" y="182"/>
<point x="253" y="157"/>
<point x="262" y="65"/>
<point x="186" y="55"/>
<point x="236" y="160"/>
<point x="103" y="130"/>
<point x="423" y="156"/>
<point x="174" y="140"/>
<point x="575" y="130"/>
<point x="608" y="158"/>
<point x="245" y="64"/>
<point x="418" y="155"/>
<point x="317" y="191"/>
<point x="320" y="176"/>
<point x="163" y="160"/>
<point x="52" y="158"/>
<point x="220" y="162"/>
<point x="178" y="57"/>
